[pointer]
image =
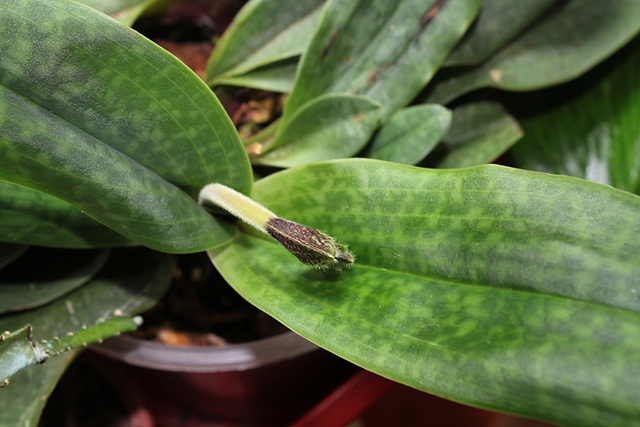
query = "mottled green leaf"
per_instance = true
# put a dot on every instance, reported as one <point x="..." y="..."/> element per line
<point x="480" y="132"/>
<point x="100" y="181"/>
<point x="93" y="113"/>
<point x="36" y="218"/>
<point x="571" y="39"/>
<point x="262" y="33"/>
<point x="42" y="275"/>
<point x="501" y="288"/>
<point x="329" y="127"/>
<point x="590" y="128"/>
<point x="10" y="252"/>
<point x="410" y="134"/>
<point x="121" y="289"/>
<point x="387" y="50"/>
<point x="122" y="89"/>
<point x="389" y="65"/>
<point x="498" y="22"/>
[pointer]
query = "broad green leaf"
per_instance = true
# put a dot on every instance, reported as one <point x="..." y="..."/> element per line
<point x="498" y="22"/>
<point x="410" y="134"/>
<point x="127" y="11"/>
<point x="387" y="50"/>
<point x="263" y="32"/>
<point x="329" y="127"/>
<point x="480" y="133"/>
<point x="100" y="181"/>
<point x="25" y="284"/>
<point x="36" y="218"/>
<point x="10" y="252"/>
<point x="276" y="77"/>
<point x="496" y="287"/>
<point x="590" y="128"/>
<point x="102" y="118"/>
<point x="110" y="82"/>
<point x="122" y="289"/>
<point x="570" y="40"/>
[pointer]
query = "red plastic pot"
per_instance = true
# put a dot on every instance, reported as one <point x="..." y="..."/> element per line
<point x="267" y="382"/>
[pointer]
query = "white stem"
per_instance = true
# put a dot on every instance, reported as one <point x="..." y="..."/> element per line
<point x="236" y="204"/>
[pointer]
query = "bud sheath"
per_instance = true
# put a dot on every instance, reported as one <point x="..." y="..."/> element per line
<point x="237" y="204"/>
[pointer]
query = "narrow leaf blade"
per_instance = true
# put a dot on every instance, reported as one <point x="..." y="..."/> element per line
<point x="411" y="40"/>
<point x="276" y="77"/>
<point x="262" y="33"/>
<point x="410" y="134"/>
<point x="329" y="127"/>
<point x="498" y="22"/>
<point x="576" y="36"/>
<point x="480" y="133"/>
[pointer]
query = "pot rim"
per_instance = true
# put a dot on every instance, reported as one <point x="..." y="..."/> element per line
<point x="232" y="357"/>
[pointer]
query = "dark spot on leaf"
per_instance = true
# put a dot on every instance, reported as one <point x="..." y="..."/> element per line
<point x="431" y="13"/>
<point x="325" y="51"/>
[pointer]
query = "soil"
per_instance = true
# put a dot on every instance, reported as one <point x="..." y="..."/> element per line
<point x="201" y="309"/>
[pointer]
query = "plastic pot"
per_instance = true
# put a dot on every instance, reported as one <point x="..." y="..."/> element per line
<point x="270" y="381"/>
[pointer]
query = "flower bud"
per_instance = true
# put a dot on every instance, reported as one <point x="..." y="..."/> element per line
<point x="310" y="246"/>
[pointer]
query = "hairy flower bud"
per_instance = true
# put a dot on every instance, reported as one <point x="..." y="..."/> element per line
<point x="309" y="245"/>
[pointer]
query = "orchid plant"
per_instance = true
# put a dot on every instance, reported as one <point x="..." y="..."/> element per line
<point x="504" y="288"/>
